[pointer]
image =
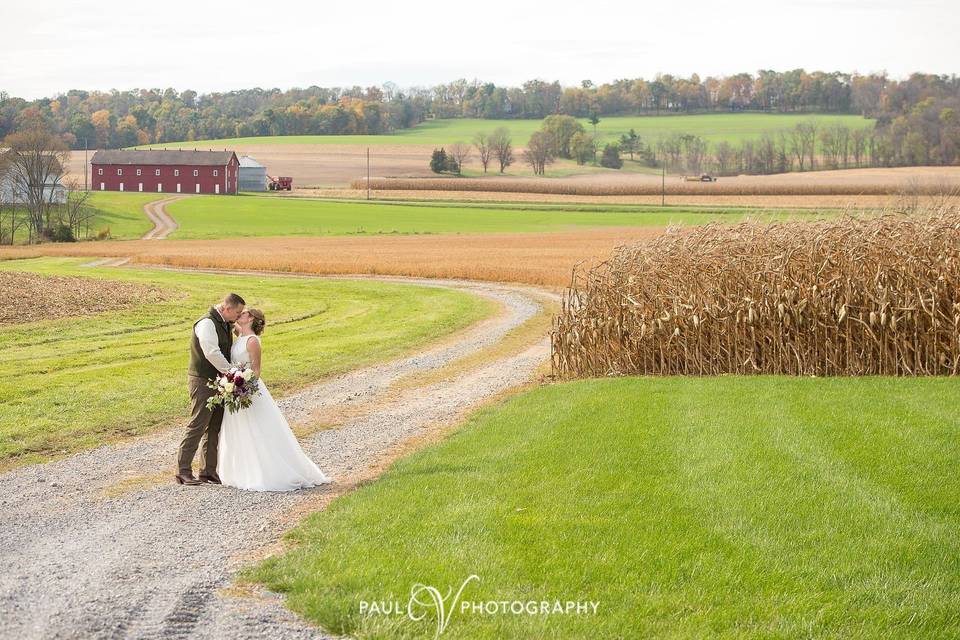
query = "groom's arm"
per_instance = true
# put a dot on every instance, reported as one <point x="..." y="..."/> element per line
<point x="207" y="335"/>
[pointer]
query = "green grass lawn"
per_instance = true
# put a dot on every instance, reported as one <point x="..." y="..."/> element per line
<point x="74" y="383"/>
<point x="209" y="217"/>
<point x="732" y="127"/>
<point x="120" y="213"/>
<point x="123" y="213"/>
<point x="735" y="507"/>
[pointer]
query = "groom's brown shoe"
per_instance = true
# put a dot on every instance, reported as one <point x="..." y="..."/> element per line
<point x="210" y="479"/>
<point x="185" y="478"/>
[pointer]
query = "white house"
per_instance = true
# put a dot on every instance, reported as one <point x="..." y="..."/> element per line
<point x="13" y="192"/>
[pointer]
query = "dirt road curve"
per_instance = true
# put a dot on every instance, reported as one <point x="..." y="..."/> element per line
<point x="163" y="222"/>
<point x="104" y="545"/>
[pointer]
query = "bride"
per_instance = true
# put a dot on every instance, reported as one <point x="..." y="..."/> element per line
<point x="258" y="451"/>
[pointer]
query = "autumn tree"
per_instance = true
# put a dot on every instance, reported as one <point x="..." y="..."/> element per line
<point x="583" y="146"/>
<point x="36" y="164"/>
<point x="460" y="153"/>
<point x="482" y="143"/>
<point x="538" y="153"/>
<point x="724" y="155"/>
<point x="77" y="212"/>
<point x="502" y="145"/>
<point x="558" y="130"/>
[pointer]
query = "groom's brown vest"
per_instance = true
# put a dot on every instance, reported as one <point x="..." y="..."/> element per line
<point x="199" y="365"/>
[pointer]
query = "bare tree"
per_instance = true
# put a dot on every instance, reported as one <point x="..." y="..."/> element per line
<point x="461" y="153"/>
<point x="784" y="161"/>
<point x="36" y="161"/>
<point x="482" y="142"/>
<point x="724" y="156"/>
<point x="502" y="145"/>
<point x="841" y="137"/>
<point x="809" y="136"/>
<point x="77" y="212"/>
<point x="828" y="148"/>
<point x="694" y="152"/>
<point x="538" y="153"/>
<point x="796" y="145"/>
<point x="858" y="145"/>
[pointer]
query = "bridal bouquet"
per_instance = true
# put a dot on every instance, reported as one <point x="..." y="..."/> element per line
<point x="234" y="389"/>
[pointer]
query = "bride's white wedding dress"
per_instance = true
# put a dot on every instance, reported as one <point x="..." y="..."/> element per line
<point x="258" y="451"/>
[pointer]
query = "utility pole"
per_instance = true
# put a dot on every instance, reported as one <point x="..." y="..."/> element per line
<point x="85" y="187"/>
<point x="368" y="173"/>
<point x="663" y="184"/>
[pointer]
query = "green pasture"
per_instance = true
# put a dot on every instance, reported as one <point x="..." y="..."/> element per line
<point x="211" y="217"/>
<point x="75" y="383"/>
<point x="120" y="213"/>
<point x="714" y="127"/>
<point x="735" y="507"/>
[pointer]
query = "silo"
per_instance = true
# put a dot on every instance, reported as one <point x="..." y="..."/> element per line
<point x="253" y="175"/>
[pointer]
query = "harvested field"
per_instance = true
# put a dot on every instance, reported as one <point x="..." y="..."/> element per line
<point x="848" y="296"/>
<point x="533" y="258"/>
<point x="849" y="182"/>
<point x="27" y="297"/>
<point x="761" y="202"/>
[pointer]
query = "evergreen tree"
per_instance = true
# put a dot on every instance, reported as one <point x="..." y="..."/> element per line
<point x="438" y="161"/>
<point x="611" y="157"/>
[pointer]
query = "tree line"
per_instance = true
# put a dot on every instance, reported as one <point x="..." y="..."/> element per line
<point x="36" y="202"/>
<point x="928" y="134"/>
<point x="112" y="119"/>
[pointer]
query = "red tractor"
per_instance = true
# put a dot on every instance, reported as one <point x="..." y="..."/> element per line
<point x="283" y="183"/>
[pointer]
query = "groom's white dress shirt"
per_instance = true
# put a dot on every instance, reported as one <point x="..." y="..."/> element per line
<point x="206" y="333"/>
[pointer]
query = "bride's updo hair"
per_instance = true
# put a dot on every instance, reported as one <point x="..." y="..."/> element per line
<point x="259" y="321"/>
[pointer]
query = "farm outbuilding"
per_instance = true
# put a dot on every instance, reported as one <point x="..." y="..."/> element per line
<point x="13" y="184"/>
<point x="165" y="171"/>
<point x="253" y="175"/>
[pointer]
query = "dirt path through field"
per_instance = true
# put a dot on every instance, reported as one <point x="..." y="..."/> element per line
<point x="163" y="222"/>
<point x="104" y="544"/>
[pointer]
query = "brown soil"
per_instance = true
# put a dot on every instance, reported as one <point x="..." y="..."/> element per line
<point x="27" y="297"/>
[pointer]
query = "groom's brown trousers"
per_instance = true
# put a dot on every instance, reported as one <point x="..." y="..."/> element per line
<point x="202" y="422"/>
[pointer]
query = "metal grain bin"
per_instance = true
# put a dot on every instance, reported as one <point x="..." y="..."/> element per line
<point x="253" y="175"/>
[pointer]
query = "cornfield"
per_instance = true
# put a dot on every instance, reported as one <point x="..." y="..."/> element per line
<point x="671" y="188"/>
<point x="877" y="295"/>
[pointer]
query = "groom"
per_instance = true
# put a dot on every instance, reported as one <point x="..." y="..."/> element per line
<point x="209" y="356"/>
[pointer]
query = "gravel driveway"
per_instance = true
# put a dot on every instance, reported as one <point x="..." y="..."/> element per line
<point x="103" y="544"/>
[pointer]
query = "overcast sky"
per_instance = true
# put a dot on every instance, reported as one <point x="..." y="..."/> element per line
<point x="49" y="47"/>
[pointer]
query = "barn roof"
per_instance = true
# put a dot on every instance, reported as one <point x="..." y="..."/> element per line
<point x="162" y="156"/>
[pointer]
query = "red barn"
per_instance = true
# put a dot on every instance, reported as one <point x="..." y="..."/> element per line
<point x="165" y="171"/>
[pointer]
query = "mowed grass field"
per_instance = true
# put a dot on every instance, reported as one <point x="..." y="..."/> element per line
<point x="122" y="213"/>
<point x="80" y="381"/>
<point x="732" y="127"/>
<point x="736" y="507"/>
<point x="119" y="213"/>
<point x="211" y="217"/>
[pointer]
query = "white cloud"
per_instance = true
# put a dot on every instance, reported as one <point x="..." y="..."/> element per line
<point x="51" y="47"/>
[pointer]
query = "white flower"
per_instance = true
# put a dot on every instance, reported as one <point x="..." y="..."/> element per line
<point x="247" y="374"/>
<point x="228" y="387"/>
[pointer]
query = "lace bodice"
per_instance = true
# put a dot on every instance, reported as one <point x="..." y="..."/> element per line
<point x="238" y="352"/>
